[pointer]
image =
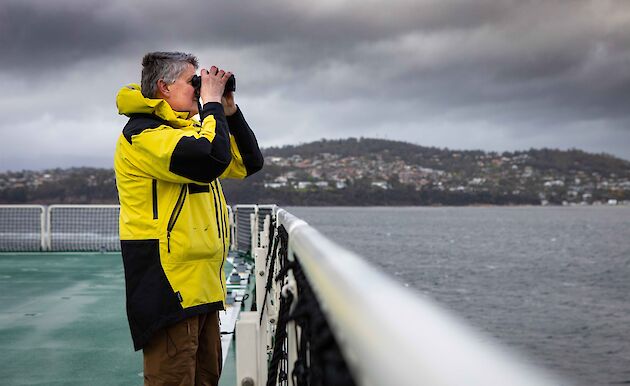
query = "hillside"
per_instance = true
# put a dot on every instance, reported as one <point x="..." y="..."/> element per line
<point x="368" y="171"/>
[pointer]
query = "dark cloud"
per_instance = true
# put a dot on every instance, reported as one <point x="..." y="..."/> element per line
<point x="44" y="36"/>
<point x="495" y="74"/>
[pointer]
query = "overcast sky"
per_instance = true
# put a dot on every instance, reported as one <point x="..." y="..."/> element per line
<point x="479" y="74"/>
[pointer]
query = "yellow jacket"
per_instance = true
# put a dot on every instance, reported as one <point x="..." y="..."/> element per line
<point x="173" y="216"/>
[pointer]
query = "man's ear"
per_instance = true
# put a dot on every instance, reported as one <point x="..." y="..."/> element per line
<point x="163" y="87"/>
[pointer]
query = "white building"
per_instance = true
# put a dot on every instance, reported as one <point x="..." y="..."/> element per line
<point x="381" y="184"/>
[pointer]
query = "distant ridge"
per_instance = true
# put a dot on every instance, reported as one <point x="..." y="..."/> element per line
<point x="368" y="171"/>
<point x="553" y="158"/>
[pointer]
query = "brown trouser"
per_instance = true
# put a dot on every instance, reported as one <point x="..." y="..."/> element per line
<point x="187" y="353"/>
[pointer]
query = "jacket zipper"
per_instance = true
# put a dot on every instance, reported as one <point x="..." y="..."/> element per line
<point x="216" y="211"/>
<point x="221" y="275"/>
<point x="223" y="215"/>
<point x="154" y="196"/>
<point x="175" y="214"/>
<point x="216" y="194"/>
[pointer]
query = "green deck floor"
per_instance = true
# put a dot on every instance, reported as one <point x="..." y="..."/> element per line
<point x="62" y="322"/>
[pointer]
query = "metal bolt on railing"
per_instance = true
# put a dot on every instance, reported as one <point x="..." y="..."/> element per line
<point x="247" y="382"/>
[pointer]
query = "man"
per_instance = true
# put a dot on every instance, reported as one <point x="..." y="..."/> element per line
<point x="173" y="216"/>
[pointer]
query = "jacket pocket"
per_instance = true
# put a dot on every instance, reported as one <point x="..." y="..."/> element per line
<point x="177" y="210"/>
<point x="154" y="198"/>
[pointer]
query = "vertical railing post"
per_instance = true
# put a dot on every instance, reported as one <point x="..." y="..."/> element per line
<point x="42" y="238"/>
<point x="246" y="357"/>
<point x="260" y="266"/>
<point x="235" y="214"/>
<point x="49" y="227"/>
<point x="253" y="226"/>
<point x="292" y="354"/>
<point x="261" y="280"/>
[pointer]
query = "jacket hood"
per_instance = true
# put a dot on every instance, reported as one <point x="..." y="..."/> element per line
<point x="131" y="101"/>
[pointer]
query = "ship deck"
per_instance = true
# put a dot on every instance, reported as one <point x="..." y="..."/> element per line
<point x="63" y="322"/>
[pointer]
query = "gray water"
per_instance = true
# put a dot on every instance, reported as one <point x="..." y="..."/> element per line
<point x="552" y="283"/>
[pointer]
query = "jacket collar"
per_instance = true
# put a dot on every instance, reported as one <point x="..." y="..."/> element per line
<point x="131" y="101"/>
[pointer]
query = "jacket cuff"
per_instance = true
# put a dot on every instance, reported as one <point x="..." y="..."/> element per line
<point x="212" y="108"/>
<point x="236" y="122"/>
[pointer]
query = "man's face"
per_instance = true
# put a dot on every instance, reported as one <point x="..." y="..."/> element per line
<point x="182" y="94"/>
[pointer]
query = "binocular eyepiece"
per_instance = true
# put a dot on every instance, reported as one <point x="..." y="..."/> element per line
<point x="230" y="86"/>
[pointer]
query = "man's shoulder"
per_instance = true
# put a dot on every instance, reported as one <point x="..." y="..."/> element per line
<point x="140" y="122"/>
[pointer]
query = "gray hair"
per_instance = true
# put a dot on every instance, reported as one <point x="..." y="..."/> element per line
<point x="167" y="66"/>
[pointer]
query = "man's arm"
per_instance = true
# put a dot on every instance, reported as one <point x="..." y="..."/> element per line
<point x="183" y="156"/>
<point x="201" y="159"/>
<point x="246" y="156"/>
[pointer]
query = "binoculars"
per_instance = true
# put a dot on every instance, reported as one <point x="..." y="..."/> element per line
<point x="230" y="86"/>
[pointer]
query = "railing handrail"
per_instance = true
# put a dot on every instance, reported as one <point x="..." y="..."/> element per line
<point x="9" y="206"/>
<point x="391" y="335"/>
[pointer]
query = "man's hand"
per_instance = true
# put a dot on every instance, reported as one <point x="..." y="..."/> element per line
<point x="213" y="83"/>
<point x="229" y="106"/>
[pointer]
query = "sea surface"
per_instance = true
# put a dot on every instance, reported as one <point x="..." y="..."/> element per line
<point x="552" y="283"/>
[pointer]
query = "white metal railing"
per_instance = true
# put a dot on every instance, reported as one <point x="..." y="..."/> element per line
<point x="388" y="334"/>
<point x="86" y="228"/>
<point x="231" y="226"/>
<point x="83" y="228"/>
<point x="22" y="228"/>
<point x="245" y="227"/>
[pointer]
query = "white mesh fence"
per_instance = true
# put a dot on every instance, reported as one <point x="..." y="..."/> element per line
<point x="83" y="228"/>
<point x="21" y="228"/>
<point x="264" y="211"/>
<point x="243" y="226"/>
